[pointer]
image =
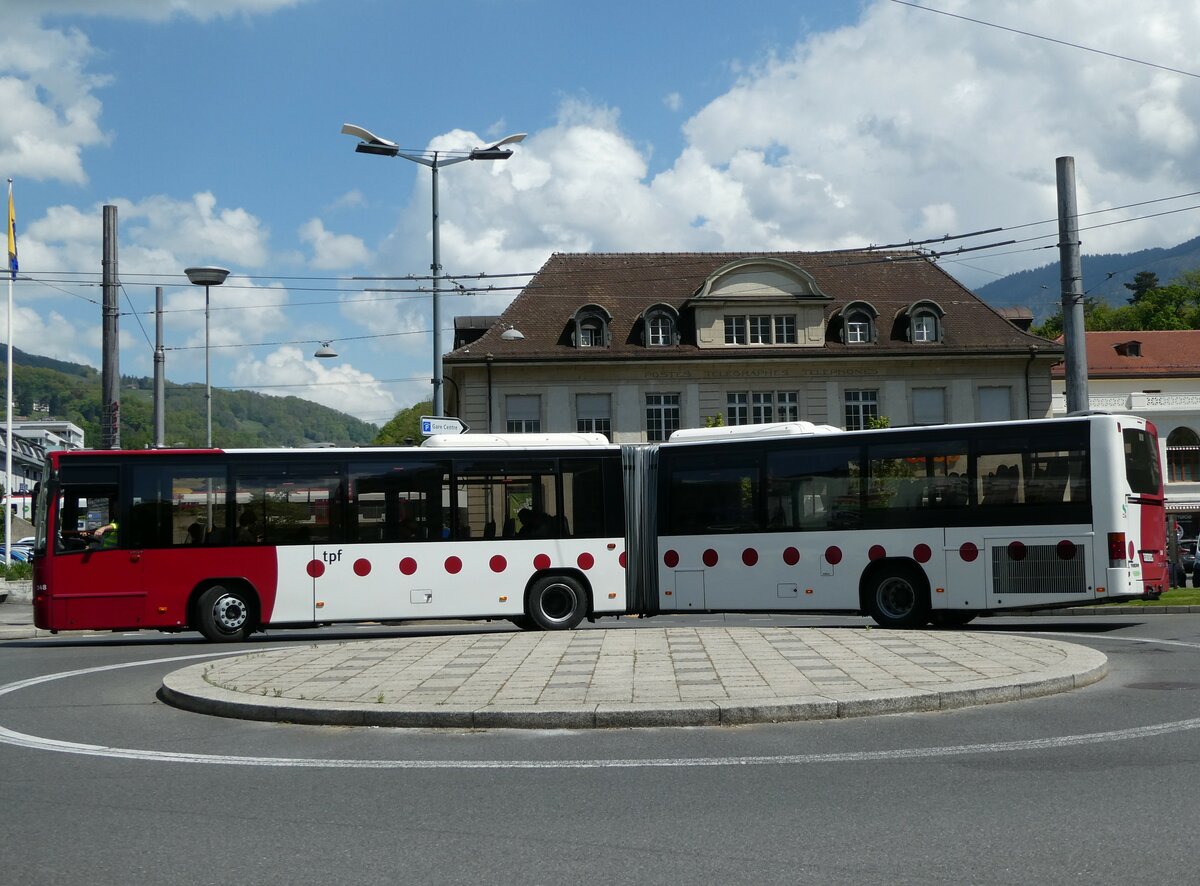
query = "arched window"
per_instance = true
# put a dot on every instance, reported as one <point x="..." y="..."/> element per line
<point x="925" y="326"/>
<point x="1183" y="456"/>
<point x="925" y="322"/>
<point x="591" y="327"/>
<point x="660" y="327"/>
<point x="858" y="323"/>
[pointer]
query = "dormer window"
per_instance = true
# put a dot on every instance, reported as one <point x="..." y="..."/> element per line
<point x="591" y="333"/>
<point x="858" y="323"/>
<point x="925" y="322"/>
<point x="925" y="327"/>
<point x="858" y="328"/>
<point x="591" y="327"/>
<point x="1129" y="348"/>
<point x="660" y="327"/>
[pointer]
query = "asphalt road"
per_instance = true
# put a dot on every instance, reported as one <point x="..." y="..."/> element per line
<point x="100" y="783"/>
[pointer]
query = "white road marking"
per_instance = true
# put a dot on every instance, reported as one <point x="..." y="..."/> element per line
<point x="24" y="740"/>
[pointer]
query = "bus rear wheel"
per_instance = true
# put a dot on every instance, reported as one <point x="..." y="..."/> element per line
<point x="225" y="614"/>
<point x="557" y="603"/>
<point x="898" y="597"/>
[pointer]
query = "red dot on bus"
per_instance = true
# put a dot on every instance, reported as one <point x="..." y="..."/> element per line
<point x="749" y="556"/>
<point x="791" y="556"/>
<point x="710" y="558"/>
<point x="316" y="568"/>
<point x="1016" y="550"/>
<point x="876" y="553"/>
<point x="586" y="561"/>
<point x="1132" y="551"/>
<point x="922" y="553"/>
<point x="498" y="563"/>
<point x="362" y="567"/>
<point x="968" y="551"/>
<point x="833" y="555"/>
<point x="408" y="566"/>
<point x="541" y="561"/>
<point x="671" y="559"/>
<point x="621" y="559"/>
<point x="1066" y="549"/>
<point x="453" y="565"/>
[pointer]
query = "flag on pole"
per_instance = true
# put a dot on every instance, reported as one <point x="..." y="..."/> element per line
<point x="12" y="234"/>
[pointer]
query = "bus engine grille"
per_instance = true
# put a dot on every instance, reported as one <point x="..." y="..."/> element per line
<point x="1040" y="571"/>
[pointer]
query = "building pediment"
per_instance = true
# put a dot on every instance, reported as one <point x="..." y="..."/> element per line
<point x="758" y="280"/>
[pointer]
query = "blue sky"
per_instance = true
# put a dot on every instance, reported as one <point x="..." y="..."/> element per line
<point x="213" y="125"/>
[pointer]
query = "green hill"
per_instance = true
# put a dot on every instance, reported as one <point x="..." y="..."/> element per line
<point x="1104" y="278"/>
<point x="241" y="419"/>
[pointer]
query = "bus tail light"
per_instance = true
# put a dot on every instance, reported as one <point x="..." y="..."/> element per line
<point x="1116" y="550"/>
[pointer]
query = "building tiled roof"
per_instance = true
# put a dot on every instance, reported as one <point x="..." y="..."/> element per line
<point x="626" y="284"/>
<point x="1165" y="353"/>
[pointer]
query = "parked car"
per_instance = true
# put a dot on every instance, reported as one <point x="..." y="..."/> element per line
<point x="1185" y="564"/>
<point x="1187" y="556"/>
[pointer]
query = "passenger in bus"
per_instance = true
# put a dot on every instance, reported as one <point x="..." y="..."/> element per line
<point x="195" y="534"/>
<point x="534" y="524"/>
<point x="248" y="531"/>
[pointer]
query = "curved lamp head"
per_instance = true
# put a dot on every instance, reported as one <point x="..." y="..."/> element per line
<point x="325" y="351"/>
<point x="366" y="135"/>
<point x="206" y="276"/>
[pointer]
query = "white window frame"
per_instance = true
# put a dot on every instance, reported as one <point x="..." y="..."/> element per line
<point x="662" y="416"/>
<point x="858" y="328"/>
<point x="661" y="330"/>
<point x="523" y="413"/>
<point x="925" y="327"/>
<point x="861" y="404"/>
<point x="735" y="329"/>
<point x="593" y="414"/>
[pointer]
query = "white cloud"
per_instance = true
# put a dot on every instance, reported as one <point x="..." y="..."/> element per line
<point x="332" y="251"/>
<point x="673" y="101"/>
<point x="903" y="126"/>
<point x="50" y="112"/>
<point x="333" y="383"/>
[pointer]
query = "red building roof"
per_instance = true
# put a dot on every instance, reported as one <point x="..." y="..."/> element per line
<point x="1163" y="353"/>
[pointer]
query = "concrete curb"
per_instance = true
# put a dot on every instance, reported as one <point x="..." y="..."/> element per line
<point x="189" y="690"/>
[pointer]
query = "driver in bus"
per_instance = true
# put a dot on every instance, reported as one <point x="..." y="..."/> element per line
<point x="105" y="537"/>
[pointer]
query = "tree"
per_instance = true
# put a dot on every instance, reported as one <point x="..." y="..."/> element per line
<point x="1143" y="282"/>
<point x="405" y="428"/>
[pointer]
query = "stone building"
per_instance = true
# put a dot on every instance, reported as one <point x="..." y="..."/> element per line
<point x="638" y="345"/>
<point x="1154" y="374"/>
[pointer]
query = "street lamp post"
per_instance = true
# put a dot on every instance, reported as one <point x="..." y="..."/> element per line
<point x="206" y="277"/>
<point x="369" y="143"/>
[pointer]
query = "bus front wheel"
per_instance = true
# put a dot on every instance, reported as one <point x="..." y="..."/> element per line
<point x="225" y="614"/>
<point x="557" y="603"/>
<point x="898" y="597"/>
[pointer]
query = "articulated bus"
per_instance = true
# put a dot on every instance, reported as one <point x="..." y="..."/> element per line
<point x="910" y="526"/>
<point x="914" y="525"/>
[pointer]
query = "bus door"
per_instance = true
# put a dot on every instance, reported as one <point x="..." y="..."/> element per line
<point x="94" y="584"/>
<point x="1145" y="510"/>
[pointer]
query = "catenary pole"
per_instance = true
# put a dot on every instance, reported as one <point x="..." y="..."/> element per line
<point x="160" y="359"/>
<point x="110" y="373"/>
<point x="1074" y="334"/>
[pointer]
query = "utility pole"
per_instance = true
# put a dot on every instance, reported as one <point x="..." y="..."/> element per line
<point x="160" y="359"/>
<point x="110" y="373"/>
<point x="1074" y="334"/>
